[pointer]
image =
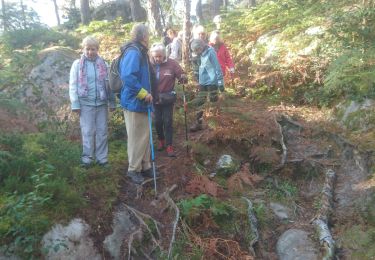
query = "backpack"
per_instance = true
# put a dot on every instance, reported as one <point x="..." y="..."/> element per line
<point x="114" y="77"/>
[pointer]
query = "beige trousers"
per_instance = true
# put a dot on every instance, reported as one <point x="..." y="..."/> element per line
<point x="137" y="129"/>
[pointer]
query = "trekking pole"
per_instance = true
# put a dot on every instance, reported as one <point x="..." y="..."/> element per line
<point x="152" y="146"/>
<point x="185" y="111"/>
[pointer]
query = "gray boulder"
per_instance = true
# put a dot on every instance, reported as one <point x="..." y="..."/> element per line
<point x="295" y="244"/>
<point x="48" y="92"/>
<point x="227" y="165"/>
<point x="71" y="242"/>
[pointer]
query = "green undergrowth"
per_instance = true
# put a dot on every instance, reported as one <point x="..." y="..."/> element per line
<point x="42" y="183"/>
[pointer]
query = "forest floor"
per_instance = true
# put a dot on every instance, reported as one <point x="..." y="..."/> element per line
<point x="252" y="132"/>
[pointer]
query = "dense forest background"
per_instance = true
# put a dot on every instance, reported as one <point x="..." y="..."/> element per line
<point x="312" y="59"/>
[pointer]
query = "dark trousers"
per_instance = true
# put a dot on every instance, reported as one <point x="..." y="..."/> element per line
<point x="164" y="122"/>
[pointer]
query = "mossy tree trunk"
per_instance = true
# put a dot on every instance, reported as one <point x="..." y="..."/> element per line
<point x="136" y="10"/>
<point x="85" y="11"/>
<point x="153" y="14"/>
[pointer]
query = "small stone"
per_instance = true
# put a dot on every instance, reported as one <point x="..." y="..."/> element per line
<point x="206" y="162"/>
<point x="280" y="211"/>
<point x="212" y="175"/>
<point x="227" y="165"/>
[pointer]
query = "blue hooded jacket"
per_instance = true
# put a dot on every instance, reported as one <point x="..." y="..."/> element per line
<point x="136" y="75"/>
<point x="209" y="69"/>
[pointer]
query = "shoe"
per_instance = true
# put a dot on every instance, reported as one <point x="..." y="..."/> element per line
<point x="104" y="165"/>
<point x="196" y="127"/>
<point x="149" y="174"/>
<point x="85" y="165"/>
<point x="161" y="145"/>
<point x="136" y="177"/>
<point x="170" y="151"/>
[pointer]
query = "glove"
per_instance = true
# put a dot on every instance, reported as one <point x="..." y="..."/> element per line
<point x="231" y="70"/>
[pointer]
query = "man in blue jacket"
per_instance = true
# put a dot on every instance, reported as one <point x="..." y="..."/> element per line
<point x="210" y="78"/>
<point x="136" y="75"/>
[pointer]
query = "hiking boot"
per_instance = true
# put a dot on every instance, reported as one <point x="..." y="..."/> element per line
<point x="170" y="151"/>
<point x="136" y="177"/>
<point x="161" y="145"/>
<point x="149" y="174"/>
<point x="196" y="127"/>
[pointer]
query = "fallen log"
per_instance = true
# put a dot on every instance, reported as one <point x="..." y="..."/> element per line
<point x="323" y="216"/>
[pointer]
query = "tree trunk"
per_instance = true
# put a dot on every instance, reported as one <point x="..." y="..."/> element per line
<point x="187" y="32"/>
<point x="198" y="11"/>
<point x="57" y="12"/>
<point x="216" y="7"/>
<point x="136" y="10"/>
<point x="153" y="13"/>
<point x="23" y="15"/>
<point x="253" y="3"/>
<point x="5" y="20"/>
<point x="85" y="11"/>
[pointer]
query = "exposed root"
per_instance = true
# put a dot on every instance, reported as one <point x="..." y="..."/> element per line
<point x="140" y="217"/>
<point x="283" y="145"/>
<point x="131" y="239"/>
<point x="323" y="216"/>
<point x="253" y="225"/>
<point x="172" y="204"/>
<point x="140" y="187"/>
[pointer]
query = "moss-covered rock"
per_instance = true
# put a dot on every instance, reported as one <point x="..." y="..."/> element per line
<point x="227" y="165"/>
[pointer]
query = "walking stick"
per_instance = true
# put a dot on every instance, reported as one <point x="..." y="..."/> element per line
<point x="152" y="146"/>
<point x="185" y="110"/>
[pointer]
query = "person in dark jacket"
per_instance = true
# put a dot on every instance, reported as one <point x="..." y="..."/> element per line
<point x="136" y="97"/>
<point x="167" y="71"/>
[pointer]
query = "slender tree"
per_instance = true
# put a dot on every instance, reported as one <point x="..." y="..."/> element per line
<point x="198" y="11"/>
<point x="85" y="11"/>
<point x="187" y="32"/>
<point x="216" y="7"/>
<point x="153" y="13"/>
<point x="57" y="12"/>
<point x="5" y="20"/>
<point x="136" y="10"/>
<point x="24" y="22"/>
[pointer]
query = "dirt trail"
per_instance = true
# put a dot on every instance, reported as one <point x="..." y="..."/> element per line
<point x="250" y="131"/>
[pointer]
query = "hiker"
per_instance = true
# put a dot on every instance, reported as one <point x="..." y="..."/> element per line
<point x="136" y="73"/>
<point x="89" y="95"/>
<point x="210" y="78"/>
<point x="198" y="32"/>
<point x="167" y="71"/>
<point x="176" y="48"/>
<point x="222" y="52"/>
<point x="171" y="35"/>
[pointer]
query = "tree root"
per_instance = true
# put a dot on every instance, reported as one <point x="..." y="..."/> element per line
<point x="140" y="217"/>
<point x="283" y="145"/>
<point x="172" y="204"/>
<point x="253" y="225"/>
<point x="323" y="216"/>
<point x="139" y="191"/>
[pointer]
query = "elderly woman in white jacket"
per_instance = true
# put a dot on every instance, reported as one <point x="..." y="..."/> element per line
<point x="89" y="95"/>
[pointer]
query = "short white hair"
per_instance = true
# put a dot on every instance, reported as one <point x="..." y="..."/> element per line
<point x="158" y="47"/>
<point x="90" y="41"/>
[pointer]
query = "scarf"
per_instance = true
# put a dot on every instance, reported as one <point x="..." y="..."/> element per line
<point x="101" y="74"/>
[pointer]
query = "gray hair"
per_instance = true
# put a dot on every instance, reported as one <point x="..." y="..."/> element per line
<point x="158" y="47"/>
<point x="138" y="32"/>
<point x="90" y="41"/>
<point x="196" y="44"/>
